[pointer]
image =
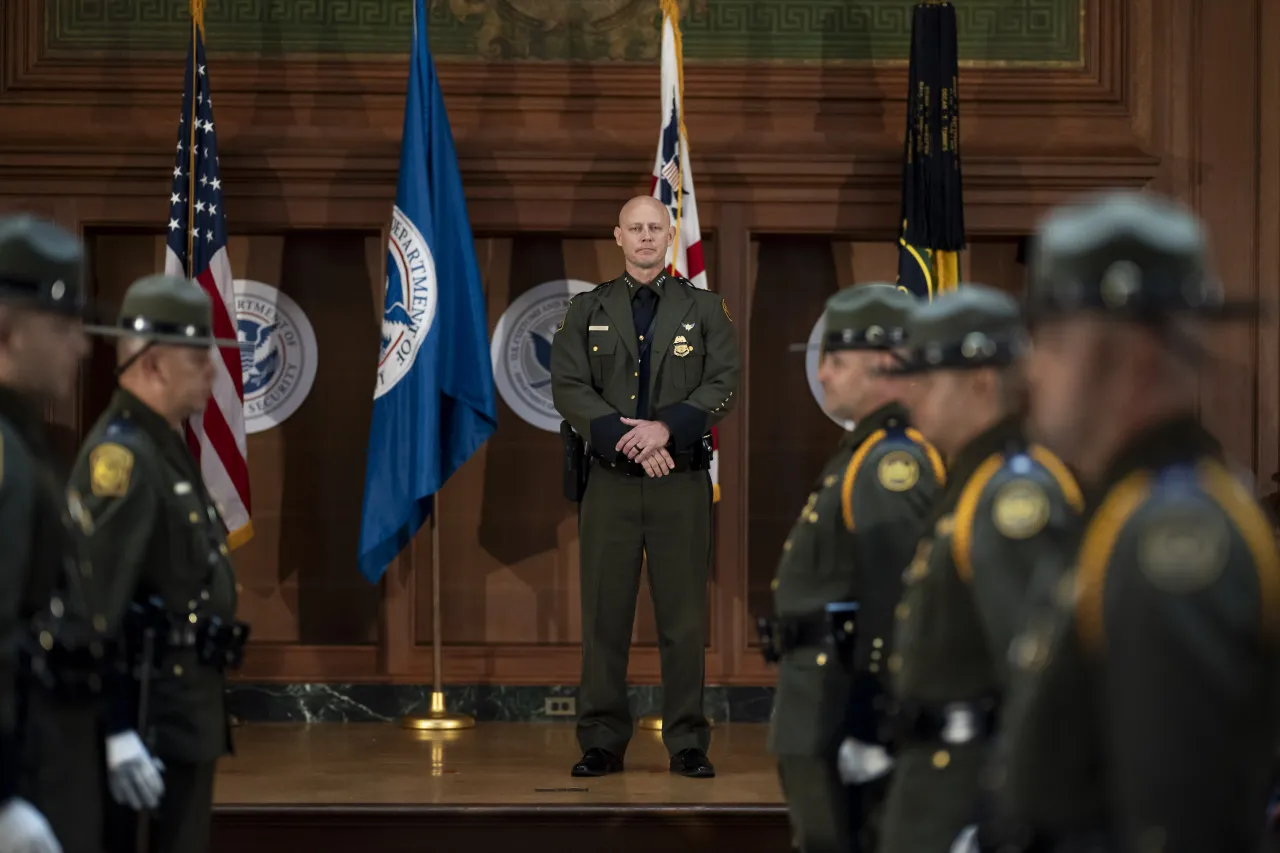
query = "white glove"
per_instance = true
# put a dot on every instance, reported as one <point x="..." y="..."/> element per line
<point x="966" y="841"/>
<point x="133" y="775"/>
<point x="861" y="762"/>
<point x="25" y="830"/>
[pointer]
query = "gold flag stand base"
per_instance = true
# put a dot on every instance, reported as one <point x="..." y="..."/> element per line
<point x="439" y="719"/>
<point x="653" y="722"/>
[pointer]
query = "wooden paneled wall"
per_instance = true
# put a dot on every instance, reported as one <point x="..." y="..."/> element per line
<point x="797" y="172"/>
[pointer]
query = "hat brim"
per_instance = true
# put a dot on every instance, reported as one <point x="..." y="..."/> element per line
<point x="1230" y="311"/>
<point x="172" y="340"/>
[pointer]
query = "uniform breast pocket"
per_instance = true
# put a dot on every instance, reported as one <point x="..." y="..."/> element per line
<point x="602" y="349"/>
<point x="688" y="356"/>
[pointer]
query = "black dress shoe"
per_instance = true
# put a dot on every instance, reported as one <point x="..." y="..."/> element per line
<point x="597" y="762"/>
<point x="692" y="762"/>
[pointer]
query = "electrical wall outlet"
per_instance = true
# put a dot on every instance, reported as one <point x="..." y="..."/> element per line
<point x="561" y="706"/>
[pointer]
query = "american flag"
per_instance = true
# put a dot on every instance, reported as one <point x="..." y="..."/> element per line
<point x="673" y="181"/>
<point x="196" y="218"/>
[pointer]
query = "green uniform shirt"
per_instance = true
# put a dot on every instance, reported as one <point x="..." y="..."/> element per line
<point x="1011" y="510"/>
<point x="158" y="533"/>
<point x="693" y="367"/>
<point x="850" y="542"/>
<point x="1146" y="696"/>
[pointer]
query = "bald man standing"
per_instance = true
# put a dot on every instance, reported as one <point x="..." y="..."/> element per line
<point x="642" y="367"/>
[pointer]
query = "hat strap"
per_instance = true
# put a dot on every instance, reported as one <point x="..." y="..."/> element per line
<point x="122" y="368"/>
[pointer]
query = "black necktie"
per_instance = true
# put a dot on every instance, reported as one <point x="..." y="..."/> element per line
<point x="644" y="304"/>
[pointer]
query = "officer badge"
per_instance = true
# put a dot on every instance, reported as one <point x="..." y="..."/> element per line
<point x="110" y="467"/>
<point x="1021" y="509"/>
<point x="898" y="471"/>
<point x="1184" y="550"/>
<point x="681" y="347"/>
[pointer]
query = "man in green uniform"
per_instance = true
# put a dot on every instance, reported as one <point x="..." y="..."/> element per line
<point x="1010" y="511"/>
<point x="641" y="368"/>
<point x="1144" y="708"/>
<point x="849" y="545"/>
<point x="160" y="545"/>
<point x="55" y="665"/>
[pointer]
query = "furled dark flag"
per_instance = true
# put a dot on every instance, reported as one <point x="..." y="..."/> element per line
<point x="932" y="202"/>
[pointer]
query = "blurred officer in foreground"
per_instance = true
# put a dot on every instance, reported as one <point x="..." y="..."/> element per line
<point x="56" y="666"/>
<point x="840" y="576"/>
<point x="1145" y="706"/>
<point x="1010" y="511"/>
<point x="165" y="573"/>
<point x="641" y="368"/>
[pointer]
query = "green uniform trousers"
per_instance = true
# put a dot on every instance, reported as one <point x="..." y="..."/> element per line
<point x="622" y="519"/>
<point x="182" y="823"/>
<point x="64" y="775"/>
<point x="826" y="815"/>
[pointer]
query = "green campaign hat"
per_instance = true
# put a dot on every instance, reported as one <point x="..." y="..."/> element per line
<point x="970" y="327"/>
<point x="866" y="316"/>
<point x="167" y="309"/>
<point x="41" y="264"/>
<point x="1127" y="254"/>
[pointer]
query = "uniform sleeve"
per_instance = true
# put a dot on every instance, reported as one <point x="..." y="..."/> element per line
<point x="1189" y="678"/>
<point x="116" y="491"/>
<point x="715" y="397"/>
<point x="1022" y="527"/>
<point x="885" y="497"/>
<point x="572" y="391"/>
<point x="17" y="496"/>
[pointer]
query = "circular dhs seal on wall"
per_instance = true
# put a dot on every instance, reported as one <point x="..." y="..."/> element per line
<point x="410" y="302"/>
<point x="521" y="350"/>
<point x="277" y="354"/>
<point x="812" y="358"/>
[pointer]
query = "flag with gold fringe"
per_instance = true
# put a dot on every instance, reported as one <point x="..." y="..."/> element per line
<point x="932" y="217"/>
<point x="672" y="180"/>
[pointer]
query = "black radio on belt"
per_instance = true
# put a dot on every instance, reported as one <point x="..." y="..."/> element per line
<point x="844" y="627"/>
<point x="221" y="644"/>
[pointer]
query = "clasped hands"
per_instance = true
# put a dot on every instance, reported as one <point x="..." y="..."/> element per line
<point x="646" y="444"/>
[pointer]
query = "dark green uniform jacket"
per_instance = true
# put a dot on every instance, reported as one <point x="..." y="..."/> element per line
<point x="158" y="534"/>
<point x="693" y="368"/>
<point x="1011" y="510"/>
<point x="50" y="746"/>
<point x="850" y="542"/>
<point x="1145" y="702"/>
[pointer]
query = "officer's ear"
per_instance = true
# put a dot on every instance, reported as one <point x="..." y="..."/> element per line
<point x="617" y="234"/>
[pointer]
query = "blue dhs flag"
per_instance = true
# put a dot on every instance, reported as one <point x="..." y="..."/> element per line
<point x="433" y="403"/>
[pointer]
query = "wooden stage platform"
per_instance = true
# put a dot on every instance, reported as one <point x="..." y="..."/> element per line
<point x="378" y="788"/>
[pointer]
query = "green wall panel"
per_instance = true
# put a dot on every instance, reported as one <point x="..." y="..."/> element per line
<point x="1035" y="32"/>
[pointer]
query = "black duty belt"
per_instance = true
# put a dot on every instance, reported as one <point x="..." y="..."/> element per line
<point x="623" y="465"/>
<point x="952" y="723"/>
<point x="837" y="625"/>
<point x="217" y="643"/>
<point x="76" y="670"/>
